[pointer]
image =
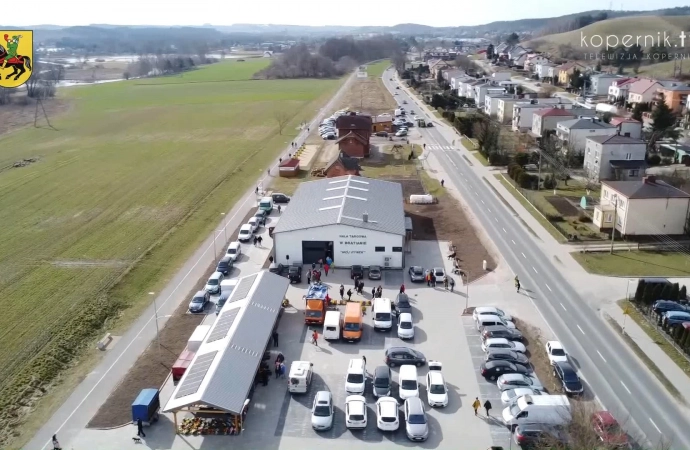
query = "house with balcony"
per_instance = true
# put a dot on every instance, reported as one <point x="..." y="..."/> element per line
<point x="524" y="110"/>
<point x="533" y="60"/>
<point x="543" y="69"/>
<point x="573" y="132"/>
<point x="675" y="95"/>
<point x="437" y="66"/>
<point x="620" y="89"/>
<point x="599" y="83"/>
<point x="628" y="127"/>
<point x="615" y="157"/>
<point x="642" y="90"/>
<point x="567" y="69"/>
<point x="504" y="108"/>
<point x="484" y="89"/>
<point x="646" y="207"/>
<point x="466" y="88"/>
<point x="452" y="73"/>
<point x="491" y="103"/>
<point x="544" y="120"/>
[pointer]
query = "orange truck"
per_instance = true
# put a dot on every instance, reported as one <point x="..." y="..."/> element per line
<point x="316" y="304"/>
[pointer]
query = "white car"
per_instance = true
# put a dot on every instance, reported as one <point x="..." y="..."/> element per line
<point x="503" y="343"/>
<point x="491" y="311"/>
<point x="511" y="395"/>
<point x="387" y="414"/>
<point x="322" y="411"/>
<point x="556" y="352"/>
<point x="355" y="411"/>
<point x="438" y="273"/>
<point x="436" y="389"/>
<point x="254" y="222"/>
<point x="356" y="377"/>
<point x="405" y="326"/>
<point x="516" y="380"/>
<point x="245" y="233"/>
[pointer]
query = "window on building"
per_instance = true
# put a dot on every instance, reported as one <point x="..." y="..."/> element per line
<point x="628" y="156"/>
<point x="619" y="221"/>
<point x="397" y="249"/>
<point x="634" y="173"/>
<point x="606" y="193"/>
<point x="379" y="249"/>
<point x="621" y="203"/>
<point x="608" y="218"/>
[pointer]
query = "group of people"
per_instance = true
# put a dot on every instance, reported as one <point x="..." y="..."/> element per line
<point x="280" y="366"/>
<point x="431" y="281"/>
<point x="477" y="404"/>
<point x="258" y="240"/>
<point x="314" y="274"/>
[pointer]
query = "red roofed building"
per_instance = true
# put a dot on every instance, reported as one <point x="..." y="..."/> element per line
<point x="628" y="127"/>
<point x="354" y="132"/>
<point x="289" y="168"/>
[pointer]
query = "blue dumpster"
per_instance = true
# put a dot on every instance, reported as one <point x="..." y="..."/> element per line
<point x="146" y="406"/>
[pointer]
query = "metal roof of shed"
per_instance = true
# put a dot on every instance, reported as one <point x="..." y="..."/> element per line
<point x="223" y="369"/>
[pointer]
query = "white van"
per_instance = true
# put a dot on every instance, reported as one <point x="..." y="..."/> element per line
<point x="266" y="204"/>
<point x="331" y="325"/>
<point x="407" y="382"/>
<point x="300" y="376"/>
<point x="246" y="233"/>
<point x="234" y="250"/>
<point x="383" y="314"/>
<point x="356" y="377"/>
<point x="485" y="320"/>
<point x="551" y="410"/>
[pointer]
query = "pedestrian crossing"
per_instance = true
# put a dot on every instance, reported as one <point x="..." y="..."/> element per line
<point x="439" y="147"/>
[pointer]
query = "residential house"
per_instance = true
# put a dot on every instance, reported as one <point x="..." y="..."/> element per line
<point x="466" y="88"/>
<point x="508" y="85"/>
<point x="642" y="90"/>
<point x="533" y="60"/>
<point x="342" y="165"/>
<point x="523" y="110"/>
<point x="519" y="59"/>
<point x="439" y="65"/>
<point x="491" y="103"/>
<point x="443" y="55"/>
<point x="354" y="132"/>
<point x="600" y="82"/>
<point x="567" y="69"/>
<point x="628" y="127"/>
<point x="542" y="69"/>
<point x="455" y="82"/>
<point x="481" y="90"/>
<point x="573" y="133"/>
<point x="544" y="120"/>
<point x="504" y="107"/>
<point x="500" y="76"/>
<point x="449" y="74"/>
<point x="675" y="95"/>
<point x="382" y="122"/>
<point x="644" y="207"/>
<point x="615" y="157"/>
<point x="553" y="73"/>
<point x="620" y="88"/>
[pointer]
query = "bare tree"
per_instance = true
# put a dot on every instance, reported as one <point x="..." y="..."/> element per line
<point x="464" y="62"/>
<point x="282" y="118"/>
<point x="5" y="98"/>
<point x="547" y="91"/>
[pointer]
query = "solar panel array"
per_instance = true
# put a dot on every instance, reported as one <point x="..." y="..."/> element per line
<point x="223" y="325"/>
<point x="195" y="374"/>
<point x="242" y="289"/>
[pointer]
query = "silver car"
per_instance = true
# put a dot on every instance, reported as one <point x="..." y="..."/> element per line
<point x="322" y="411"/>
<point x="416" y="425"/>
<point x="517" y="380"/>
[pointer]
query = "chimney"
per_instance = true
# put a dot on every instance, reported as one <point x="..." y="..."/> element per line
<point x="365" y="217"/>
<point x="649" y="179"/>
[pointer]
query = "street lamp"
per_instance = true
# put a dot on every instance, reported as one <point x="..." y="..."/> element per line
<point x="467" y="290"/>
<point x="155" y="313"/>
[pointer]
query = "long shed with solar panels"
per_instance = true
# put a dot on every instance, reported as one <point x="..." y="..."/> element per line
<point x="222" y="373"/>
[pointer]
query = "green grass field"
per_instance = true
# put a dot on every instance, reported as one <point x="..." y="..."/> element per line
<point x="136" y="177"/>
<point x="376" y="70"/>
<point x="635" y="264"/>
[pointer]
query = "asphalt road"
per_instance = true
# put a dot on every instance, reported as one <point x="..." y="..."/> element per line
<point x="619" y="380"/>
<point x="91" y="393"/>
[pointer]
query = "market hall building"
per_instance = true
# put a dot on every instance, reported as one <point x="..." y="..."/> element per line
<point x="354" y="220"/>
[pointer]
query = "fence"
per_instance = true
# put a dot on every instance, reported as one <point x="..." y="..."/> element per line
<point x="652" y="319"/>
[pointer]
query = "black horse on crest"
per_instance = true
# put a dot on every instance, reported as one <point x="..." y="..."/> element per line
<point x="19" y="64"/>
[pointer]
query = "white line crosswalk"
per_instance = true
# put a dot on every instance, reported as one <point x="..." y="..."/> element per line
<point x="439" y="147"/>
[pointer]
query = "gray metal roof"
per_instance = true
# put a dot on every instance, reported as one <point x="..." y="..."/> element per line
<point x="345" y="200"/>
<point x="649" y="187"/>
<point x="615" y="139"/>
<point x="227" y="378"/>
<point x="584" y="124"/>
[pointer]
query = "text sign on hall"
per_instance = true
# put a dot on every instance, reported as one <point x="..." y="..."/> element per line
<point x="354" y="241"/>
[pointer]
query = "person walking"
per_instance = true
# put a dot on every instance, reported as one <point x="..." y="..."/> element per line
<point x="373" y="292"/>
<point x="364" y="358"/>
<point x="277" y="369"/>
<point x="260" y="240"/>
<point x="275" y="338"/>
<point x="342" y="292"/>
<point x="443" y="182"/>
<point x="402" y="288"/>
<point x="325" y="268"/>
<point x="265" y="373"/>
<point x="487" y="407"/>
<point x="256" y="191"/>
<point x="361" y="287"/>
<point x="476" y="405"/>
<point x="517" y="283"/>
<point x="308" y="276"/>
<point x="379" y="291"/>
<point x="320" y="263"/>
<point x="313" y="266"/>
<point x="254" y="241"/>
<point x="349" y="295"/>
<point x="279" y="208"/>
<point x="56" y="444"/>
<point x="451" y="281"/>
<point x="282" y="369"/>
<point x="315" y="338"/>
<point x="445" y="282"/>
<point x="140" y="428"/>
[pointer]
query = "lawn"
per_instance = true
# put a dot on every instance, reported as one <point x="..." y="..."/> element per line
<point x="136" y="177"/>
<point x="377" y="69"/>
<point x="481" y="158"/>
<point x="635" y="263"/>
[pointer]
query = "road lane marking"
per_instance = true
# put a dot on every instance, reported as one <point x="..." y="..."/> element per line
<point x="626" y="388"/>
<point x="453" y="163"/>
<point x="601" y="356"/>
<point x="535" y="270"/>
<point x="578" y="327"/>
<point x="549" y="288"/>
<point x="563" y="308"/>
<point x="657" y="428"/>
<point x="483" y="202"/>
<point x="512" y="242"/>
<point x="504" y="230"/>
<point x="523" y="255"/>
<point x="496" y="219"/>
<point x="488" y="210"/>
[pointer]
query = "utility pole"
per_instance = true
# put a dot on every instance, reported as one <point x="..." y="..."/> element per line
<point x="155" y="312"/>
<point x="539" y="179"/>
<point x="615" y="211"/>
<point x="467" y="290"/>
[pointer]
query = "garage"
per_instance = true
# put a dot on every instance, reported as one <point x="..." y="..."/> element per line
<point x="354" y="220"/>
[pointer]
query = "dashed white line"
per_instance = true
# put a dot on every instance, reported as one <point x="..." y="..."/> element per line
<point x="535" y="270"/>
<point x="504" y="230"/>
<point x="483" y="202"/>
<point x="496" y="219"/>
<point x="563" y="307"/>
<point x="488" y="210"/>
<point x="453" y="163"/>
<point x="626" y="388"/>
<point x="601" y="356"/>
<point x="512" y="241"/>
<point x="657" y="428"/>
<point x="523" y="255"/>
<point x="578" y="327"/>
<point x="549" y="288"/>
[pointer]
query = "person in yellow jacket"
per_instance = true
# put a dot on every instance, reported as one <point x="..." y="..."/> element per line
<point x="476" y="405"/>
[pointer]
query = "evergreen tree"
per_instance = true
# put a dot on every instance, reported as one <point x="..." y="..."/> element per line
<point x="512" y="39"/>
<point x="647" y="299"/>
<point x="675" y="290"/>
<point x="665" y="292"/>
<point x="656" y="293"/>
<point x="682" y="295"/>
<point x="639" y="292"/>
<point x="662" y="116"/>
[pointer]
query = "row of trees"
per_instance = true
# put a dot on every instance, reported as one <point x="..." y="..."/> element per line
<point x="162" y="65"/>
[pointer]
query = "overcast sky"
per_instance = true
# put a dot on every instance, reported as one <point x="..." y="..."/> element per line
<point x="301" y="12"/>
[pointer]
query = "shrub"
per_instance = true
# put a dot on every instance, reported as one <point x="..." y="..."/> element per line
<point x="639" y="293"/>
<point x="584" y="218"/>
<point x="550" y="182"/>
<point x="654" y="160"/>
<point x="498" y="159"/>
<point x="521" y="158"/>
<point x="512" y="167"/>
<point x="525" y="180"/>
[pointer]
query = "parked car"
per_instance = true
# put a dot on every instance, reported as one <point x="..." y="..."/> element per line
<point x="491" y="311"/>
<point x="567" y="375"/>
<point x="556" y="352"/>
<point x="261" y="215"/>
<point x="396" y="356"/>
<point x="276" y="268"/>
<point x="246" y="232"/>
<point x="387" y="414"/>
<point x="532" y="435"/>
<point x="404" y="102"/>
<point x="397" y="87"/>
<point x="501" y="331"/>
<point x="662" y="306"/>
<point x="213" y="283"/>
<point x="295" y="272"/>
<point x="280" y="198"/>
<point x="608" y="430"/>
<point x="416" y="274"/>
<point x="676" y="317"/>
<point x="234" y="250"/>
<point x="374" y="272"/>
<point x="382" y="382"/>
<point x="356" y="271"/>
<point x="199" y="302"/>
<point x="382" y="133"/>
<point x="322" y="411"/>
<point x="506" y="354"/>
<point x="355" y="411"/>
<point x="438" y="273"/>
<point x="405" y="326"/>
<point x="516" y="380"/>
<point x="510" y="396"/>
<point x="436" y="389"/>
<point x="225" y="265"/>
<point x="416" y="425"/>
<point x="503" y="343"/>
<point x="494" y="369"/>
<point x="401" y="133"/>
<point x="402" y="304"/>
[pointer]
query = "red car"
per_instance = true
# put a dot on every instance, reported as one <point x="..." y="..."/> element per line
<point x="608" y="430"/>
